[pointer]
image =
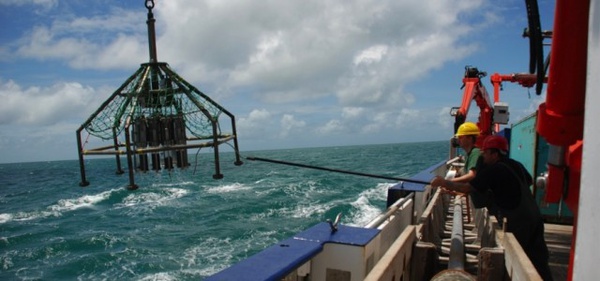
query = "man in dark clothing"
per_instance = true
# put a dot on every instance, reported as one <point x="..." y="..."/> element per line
<point x="509" y="183"/>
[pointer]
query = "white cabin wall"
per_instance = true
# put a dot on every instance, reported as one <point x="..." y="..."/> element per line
<point x="588" y="224"/>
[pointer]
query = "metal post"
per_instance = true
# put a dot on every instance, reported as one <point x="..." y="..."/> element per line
<point x="238" y="161"/>
<point x="217" y="174"/>
<point x="457" y="249"/>
<point x="83" y="182"/>
<point x="151" y="31"/>
<point x="132" y="185"/>
<point x="117" y="157"/>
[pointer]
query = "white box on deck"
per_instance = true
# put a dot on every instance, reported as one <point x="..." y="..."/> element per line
<point x="501" y="114"/>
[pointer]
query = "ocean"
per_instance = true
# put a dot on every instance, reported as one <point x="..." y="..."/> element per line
<point x="183" y="224"/>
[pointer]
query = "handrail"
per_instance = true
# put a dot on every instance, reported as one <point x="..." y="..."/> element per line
<point x="451" y="161"/>
<point x="390" y="211"/>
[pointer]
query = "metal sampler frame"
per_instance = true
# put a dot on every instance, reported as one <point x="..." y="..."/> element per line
<point x="155" y="110"/>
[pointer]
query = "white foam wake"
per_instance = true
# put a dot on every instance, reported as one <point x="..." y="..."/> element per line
<point x="228" y="188"/>
<point x="58" y="209"/>
<point x="148" y="201"/>
<point x="366" y="211"/>
<point x="4" y="218"/>
<point x="85" y="201"/>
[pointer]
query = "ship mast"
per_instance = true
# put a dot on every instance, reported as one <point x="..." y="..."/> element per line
<point x="151" y="31"/>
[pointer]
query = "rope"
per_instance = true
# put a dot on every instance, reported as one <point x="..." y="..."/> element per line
<point x="336" y="170"/>
<point x="86" y="141"/>
<point x="196" y="161"/>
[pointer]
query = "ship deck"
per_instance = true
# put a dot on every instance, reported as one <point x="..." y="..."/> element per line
<point x="478" y="234"/>
<point x="558" y="238"/>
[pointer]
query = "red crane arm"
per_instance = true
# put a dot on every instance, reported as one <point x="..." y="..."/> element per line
<point x="474" y="90"/>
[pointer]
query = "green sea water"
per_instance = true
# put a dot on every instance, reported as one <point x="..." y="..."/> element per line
<point x="183" y="224"/>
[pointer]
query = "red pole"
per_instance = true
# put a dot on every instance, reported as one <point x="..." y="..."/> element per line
<point x="561" y="116"/>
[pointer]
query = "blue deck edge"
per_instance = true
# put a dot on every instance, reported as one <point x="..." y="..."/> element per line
<point x="402" y="189"/>
<point x="277" y="261"/>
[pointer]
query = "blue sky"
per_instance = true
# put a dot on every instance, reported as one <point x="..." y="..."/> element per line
<point x="294" y="73"/>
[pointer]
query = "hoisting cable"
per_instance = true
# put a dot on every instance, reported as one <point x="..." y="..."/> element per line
<point x="536" y="47"/>
<point x="335" y="170"/>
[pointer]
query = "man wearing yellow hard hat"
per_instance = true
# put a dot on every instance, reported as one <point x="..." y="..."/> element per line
<point x="467" y="136"/>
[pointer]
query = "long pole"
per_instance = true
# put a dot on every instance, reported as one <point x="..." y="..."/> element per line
<point x="335" y="170"/>
<point x="457" y="245"/>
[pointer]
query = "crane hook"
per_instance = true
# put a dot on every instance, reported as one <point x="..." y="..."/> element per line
<point x="149" y="4"/>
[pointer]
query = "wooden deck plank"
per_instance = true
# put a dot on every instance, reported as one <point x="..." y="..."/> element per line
<point x="558" y="239"/>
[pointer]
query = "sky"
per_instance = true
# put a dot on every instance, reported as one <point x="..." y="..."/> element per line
<point x="308" y="73"/>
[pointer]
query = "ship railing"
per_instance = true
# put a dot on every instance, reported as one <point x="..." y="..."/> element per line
<point x="501" y="257"/>
<point x="396" y="263"/>
<point x="391" y="211"/>
<point x="402" y="244"/>
<point x="321" y="252"/>
<point x="409" y="256"/>
<point x="414" y="255"/>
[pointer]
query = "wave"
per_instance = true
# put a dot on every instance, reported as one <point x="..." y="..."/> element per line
<point x="313" y="199"/>
<point x="216" y="252"/>
<point x="173" y="184"/>
<point x="365" y="210"/>
<point x="4" y="218"/>
<point x="61" y="207"/>
<point x="85" y="201"/>
<point x="308" y="210"/>
<point x="181" y="226"/>
<point x="162" y="276"/>
<point x="228" y="188"/>
<point x="148" y="201"/>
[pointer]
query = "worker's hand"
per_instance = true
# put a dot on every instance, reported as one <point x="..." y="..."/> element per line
<point x="448" y="191"/>
<point x="452" y="192"/>
<point x="438" y="181"/>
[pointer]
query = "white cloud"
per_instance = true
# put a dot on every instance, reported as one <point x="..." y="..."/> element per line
<point x="352" y="112"/>
<point x="113" y="41"/>
<point x="371" y="54"/>
<point x="117" y="20"/>
<point x="255" y="125"/>
<point x="46" y="4"/>
<point x="535" y="101"/>
<point x="307" y="50"/>
<point x="320" y="68"/>
<point x="444" y="119"/>
<point x="407" y="117"/>
<point x="38" y="123"/>
<point x="41" y="44"/>
<point x="331" y="127"/>
<point x="289" y="124"/>
<point x="360" y="52"/>
<point x="44" y="106"/>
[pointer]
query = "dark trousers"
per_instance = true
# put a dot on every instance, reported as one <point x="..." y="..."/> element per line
<point x="531" y="237"/>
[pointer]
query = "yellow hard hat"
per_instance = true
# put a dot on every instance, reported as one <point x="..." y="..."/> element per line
<point x="467" y="129"/>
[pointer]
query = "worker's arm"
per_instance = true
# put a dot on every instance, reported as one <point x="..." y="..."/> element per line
<point x="466" y="177"/>
<point x="461" y="187"/>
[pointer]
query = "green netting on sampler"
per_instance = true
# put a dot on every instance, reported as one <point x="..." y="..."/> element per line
<point x="103" y="123"/>
<point x="156" y="91"/>
<point x="111" y="114"/>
